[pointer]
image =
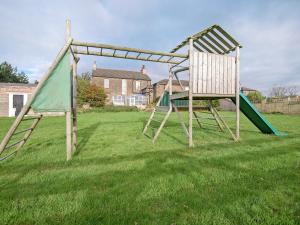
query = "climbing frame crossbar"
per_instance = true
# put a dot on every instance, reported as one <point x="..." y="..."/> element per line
<point x="88" y="48"/>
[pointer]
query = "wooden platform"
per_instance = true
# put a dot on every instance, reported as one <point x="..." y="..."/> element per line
<point x="197" y="96"/>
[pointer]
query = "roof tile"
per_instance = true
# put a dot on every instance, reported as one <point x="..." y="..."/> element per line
<point x="120" y="74"/>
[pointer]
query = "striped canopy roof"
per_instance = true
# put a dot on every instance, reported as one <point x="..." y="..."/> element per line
<point x="213" y="40"/>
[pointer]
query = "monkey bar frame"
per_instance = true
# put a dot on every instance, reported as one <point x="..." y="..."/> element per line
<point x="212" y="40"/>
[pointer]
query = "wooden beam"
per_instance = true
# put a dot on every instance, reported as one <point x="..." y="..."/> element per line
<point x="197" y="119"/>
<point x="196" y="47"/>
<point x="237" y="92"/>
<point x="221" y="39"/>
<point x="215" y="116"/>
<point x="82" y="52"/>
<point x="203" y="46"/>
<point x="225" y="124"/>
<point x="220" y="29"/>
<point x="121" y="48"/>
<point x="210" y="45"/>
<point x="74" y="106"/>
<point x="69" y="135"/>
<point x="68" y="112"/>
<point x="154" y="110"/>
<point x="191" y="65"/>
<point x="215" y="42"/>
<point x="176" y="65"/>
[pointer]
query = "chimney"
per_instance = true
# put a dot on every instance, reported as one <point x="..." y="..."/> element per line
<point x="94" y="65"/>
<point x="143" y="69"/>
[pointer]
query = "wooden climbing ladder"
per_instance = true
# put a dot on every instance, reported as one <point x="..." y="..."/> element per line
<point x="14" y="131"/>
<point x="166" y="111"/>
<point x="23" y="115"/>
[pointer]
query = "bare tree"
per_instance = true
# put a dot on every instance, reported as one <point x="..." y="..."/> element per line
<point x="292" y="90"/>
<point x="278" y="91"/>
<point x="86" y="76"/>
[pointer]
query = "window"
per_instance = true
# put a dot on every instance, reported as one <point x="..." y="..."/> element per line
<point x="137" y="85"/>
<point x="118" y="100"/>
<point x="106" y="83"/>
<point x="124" y="87"/>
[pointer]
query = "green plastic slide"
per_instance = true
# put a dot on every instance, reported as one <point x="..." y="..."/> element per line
<point x="255" y="117"/>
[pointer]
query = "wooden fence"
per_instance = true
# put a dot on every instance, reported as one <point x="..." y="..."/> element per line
<point x="285" y="107"/>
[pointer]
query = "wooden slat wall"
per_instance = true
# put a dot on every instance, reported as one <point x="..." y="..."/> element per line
<point x="213" y="74"/>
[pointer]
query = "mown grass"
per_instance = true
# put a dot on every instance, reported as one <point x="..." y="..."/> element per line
<point x="117" y="176"/>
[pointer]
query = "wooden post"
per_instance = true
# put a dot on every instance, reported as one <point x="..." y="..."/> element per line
<point x="237" y="92"/>
<point x="68" y="112"/>
<point x="170" y="84"/>
<point x="191" y="65"/>
<point x="74" y="109"/>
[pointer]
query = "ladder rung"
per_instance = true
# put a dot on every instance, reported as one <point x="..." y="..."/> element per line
<point x="153" y="126"/>
<point x="22" y="131"/>
<point x="210" y="124"/>
<point x="204" y="112"/>
<point x="161" y="112"/>
<point x="12" y="145"/>
<point x="8" y="155"/>
<point x="162" y="109"/>
<point x="31" y="118"/>
<point x="147" y="135"/>
<point x="209" y="118"/>
<point x="156" y="121"/>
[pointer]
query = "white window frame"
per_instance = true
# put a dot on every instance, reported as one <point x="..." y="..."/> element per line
<point x="118" y="100"/>
<point x="11" y="110"/>
<point x="137" y="85"/>
<point x="106" y="83"/>
<point x="124" y="87"/>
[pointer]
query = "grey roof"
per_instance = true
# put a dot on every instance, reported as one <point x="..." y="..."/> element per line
<point x="174" y="82"/>
<point x="120" y="74"/>
<point x="17" y="84"/>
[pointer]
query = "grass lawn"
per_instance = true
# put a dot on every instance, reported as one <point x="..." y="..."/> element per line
<point x="118" y="176"/>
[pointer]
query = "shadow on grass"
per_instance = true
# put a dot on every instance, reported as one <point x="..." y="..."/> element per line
<point x="153" y="187"/>
<point x="123" y="196"/>
<point x="84" y="136"/>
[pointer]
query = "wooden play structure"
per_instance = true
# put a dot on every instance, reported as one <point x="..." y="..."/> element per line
<point x="213" y="65"/>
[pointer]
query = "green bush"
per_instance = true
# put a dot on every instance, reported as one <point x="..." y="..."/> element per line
<point x="95" y="96"/>
<point x="255" y="97"/>
<point x="111" y="108"/>
<point x="82" y="86"/>
<point x="90" y="94"/>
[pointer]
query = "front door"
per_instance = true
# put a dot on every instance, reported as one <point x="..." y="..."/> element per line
<point x="18" y="102"/>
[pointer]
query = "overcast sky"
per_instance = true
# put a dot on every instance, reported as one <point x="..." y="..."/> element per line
<point x="32" y="32"/>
